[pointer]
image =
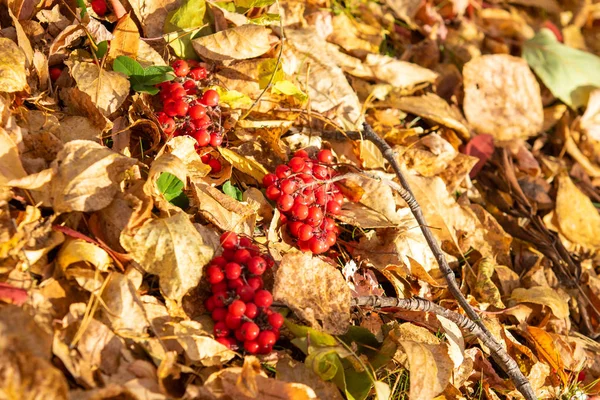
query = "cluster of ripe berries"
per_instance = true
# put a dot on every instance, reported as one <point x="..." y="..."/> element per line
<point x="239" y="305"/>
<point x="305" y="197"/>
<point x="188" y="110"/>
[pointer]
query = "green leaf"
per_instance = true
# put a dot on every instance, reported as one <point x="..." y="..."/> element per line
<point x="169" y="185"/>
<point x="232" y="191"/>
<point x="289" y="89"/>
<point x="128" y="66"/>
<point x="81" y="4"/>
<point x="181" y="43"/>
<point x="265" y="19"/>
<point x="253" y="3"/>
<point x="102" y="49"/>
<point x="189" y="15"/>
<point x="570" y="74"/>
<point x="317" y="339"/>
<point x="266" y="69"/>
<point x="325" y="363"/>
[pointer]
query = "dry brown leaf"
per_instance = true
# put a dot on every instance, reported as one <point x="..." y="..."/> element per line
<point x="123" y="306"/>
<point x="289" y="370"/>
<point x="455" y="341"/>
<point x="166" y="163"/>
<point x="238" y="43"/>
<point x="10" y="160"/>
<point x="355" y="37"/>
<point x="244" y="164"/>
<point x="75" y="127"/>
<point x="200" y="348"/>
<point x="356" y="214"/>
<point x="405" y="10"/>
<point x="430" y="369"/>
<point x="547" y="351"/>
<point x="126" y="40"/>
<point x="432" y="107"/>
<point x="545" y="296"/>
<point x="578" y="219"/>
<point x="183" y="147"/>
<point x="502" y="97"/>
<point x="552" y="6"/>
<point x="87" y="177"/>
<point x="315" y="290"/>
<point x="480" y="281"/>
<point x="269" y="131"/>
<point x="75" y="258"/>
<point x="13" y="77"/>
<point x="224" y="211"/>
<point x="107" y="89"/>
<point x="400" y="74"/>
<point x="171" y="248"/>
<point x="152" y="14"/>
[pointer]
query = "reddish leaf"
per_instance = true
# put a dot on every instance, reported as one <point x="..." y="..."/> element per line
<point x="11" y="294"/>
<point x="482" y="147"/>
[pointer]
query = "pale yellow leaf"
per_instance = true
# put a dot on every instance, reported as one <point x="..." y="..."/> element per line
<point x="244" y="164"/>
<point x="199" y="347"/>
<point x="400" y="74"/>
<point x="126" y="39"/>
<point x="502" y="97"/>
<point x="430" y="369"/>
<point x="13" y="77"/>
<point x="543" y="295"/>
<point x="77" y="250"/>
<point x="238" y="43"/>
<point x="171" y="248"/>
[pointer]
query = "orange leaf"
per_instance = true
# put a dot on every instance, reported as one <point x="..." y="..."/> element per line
<point x="547" y="351"/>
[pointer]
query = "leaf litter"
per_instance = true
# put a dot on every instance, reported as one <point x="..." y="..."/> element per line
<point x="110" y="217"/>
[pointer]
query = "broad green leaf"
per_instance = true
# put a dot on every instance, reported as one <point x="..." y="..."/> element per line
<point x="128" y="66"/>
<point x="253" y="3"/>
<point x="269" y="72"/>
<point x="169" y="185"/>
<point x="181" y="42"/>
<point x="358" y="384"/>
<point x="570" y="74"/>
<point x="289" y="89"/>
<point x="233" y="98"/>
<point x="102" y="49"/>
<point x="316" y="338"/>
<point x="189" y="15"/>
<point x="232" y="191"/>
<point x="265" y="19"/>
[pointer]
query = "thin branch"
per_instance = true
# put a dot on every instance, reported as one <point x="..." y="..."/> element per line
<point x="502" y="358"/>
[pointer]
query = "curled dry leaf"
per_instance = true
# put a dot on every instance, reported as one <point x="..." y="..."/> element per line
<point x="430" y="369"/>
<point x="86" y="178"/>
<point x="13" y="77"/>
<point x="315" y="290"/>
<point x="238" y="43"/>
<point x="545" y="296"/>
<point x="107" y="89"/>
<point x="400" y="74"/>
<point x="578" y="219"/>
<point x="171" y="248"/>
<point x="124" y="308"/>
<point x="502" y="97"/>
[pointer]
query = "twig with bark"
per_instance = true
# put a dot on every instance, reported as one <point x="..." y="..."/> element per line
<point x="498" y="353"/>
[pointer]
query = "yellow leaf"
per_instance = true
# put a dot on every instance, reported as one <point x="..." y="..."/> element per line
<point x="543" y="295"/>
<point x="239" y="43"/>
<point x="546" y="349"/>
<point x="126" y="40"/>
<point x="13" y="77"/>
<point x="244" y="164"/>
<point x="430" y="369"/>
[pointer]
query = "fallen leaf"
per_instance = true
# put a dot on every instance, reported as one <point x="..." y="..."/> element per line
<point x="86" y="177"/>
<point x="355" y="37"/>
<point x="291" y="371"/>
<point x="590" y="120"/>
<point x="315" y="290"/>
<point x="152" y="14"/>
<point x="244" y="164"/>
<point x="502" y="97"/>
<point x="13" y="77"/>
<point x="551" y="6"/>
<point x="545" y="296"/>
<point x="107" y="89"/>
<point x="171" y="248"/>
<point x="200" y="348"/>
<point x="479" y="279"/>
<point x="547" y="351"/>
<point x="577" y="217"/>
<point x="238" y="43"/>
<point x="400" y="74"/>
<point x="430" y="369"/>
<point x="126" y="39"/>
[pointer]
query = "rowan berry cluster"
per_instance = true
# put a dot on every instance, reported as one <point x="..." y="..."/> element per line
<point x="240" y="305"/>
<point x="305" y="197"/>
<point x="188" y="109"/>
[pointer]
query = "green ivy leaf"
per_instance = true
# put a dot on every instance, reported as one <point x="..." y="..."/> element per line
<point x="230" y="190"/>
<point x="570" y="74"/>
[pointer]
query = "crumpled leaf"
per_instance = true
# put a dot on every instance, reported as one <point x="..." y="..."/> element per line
<point x="289" y="370"/>
<point x="315" y="290"/>
<point x="578" y="219"/>
<point x="86" y="177"/>
<point x="152" y="14"/>
<point x="502" y="97"/>
<point x="244" y="164"/>
<point x="400" y="74"/>
<point x="543" y="295"/>
<point x="482" y="286"/>
<point x="13" y="77"/>
<point x="355" y="37"/>
<point x="430" y="369"/>
<point x="171" y="248"/>
<point x="78" y="250"/>
<point x="238" y="43"/>
<point x="107" y="89"/>
<point x="199" y="347"/>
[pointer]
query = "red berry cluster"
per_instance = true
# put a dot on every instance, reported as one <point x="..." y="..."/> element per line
<point x="240" y="305"/>
<point x="305" y="196"/>
<point x="186" y="109"/>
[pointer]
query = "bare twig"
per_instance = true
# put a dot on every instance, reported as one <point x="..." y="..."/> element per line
<point x="498" y="353"/>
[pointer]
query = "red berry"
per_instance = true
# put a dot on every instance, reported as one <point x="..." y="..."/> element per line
<point x="196" y="112"/>
<point x="251" y="346"/>
<point x="202" y="122"/>
<point x="220" y="260"/>
<point x="180" y="67"/>
<point x="300" y="211"/>
<point x="285" y="203"/>
<point x="210" y="98"/>
<point x="215" y="166"/>
<point x="178" y="92"/>
<point x="242" y="256"/>
<point x="283" y="171"/>
<point x="320" y="172"/>
<point x="203" y="138"/>
<point x="238" y="335"/>
<point x="229" y="240"/>
<point x="305" y="232"/>
<point x="315" y="216"/>
<point x="269" y="179"/>
<point x="210" y="304"/>
<point x="273" y="192"/>
<point x="216" y="139"/>
<point x="235" y="283"/>
<point x="220" y="299"/>
<point x="257" y="265"/>
<point x="301" y="153"/>
<point x="263" y="298"/>
<point x="245" y="242"/>
<point x="246" y="293"/>
<point x="219" y="314"/>
<point x="251" y="310"/>
<point x="214" y="274"/>
<point x="255" y="282"/>
<point x="99" y="7"/>
<point x="288" y="186"/>
<point x="198" y="73"/>
<point x="227" y="342"/>
<point x="266" y="338"/>
<point x="317" y="245"/>
<point x="333" y="207"/>
<point x="219" y="287"/>
<point x="237" y="308"/>
<point x="193" y="63"/>
<point x="296" y="164"/>
<point x="55" y="72"/>
<point x="325" y="156"/>
<point x="220" y="329"/>
<point x="233" y="322"/>
<point x="328" y="224"/>
<point x="250" y="330"/>
<point x="190" y="87"/>
<point x="303" y="245"/>
<point x="330" y="238"/>
<point x="233" y="270"/>
<point x="276" y="320"/>
<point x="294" y="227"/>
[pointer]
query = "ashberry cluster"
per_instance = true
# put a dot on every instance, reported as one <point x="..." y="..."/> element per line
<point x="239" y="304"/>
<point x="305" y="196"/>
<point x="186" y="108"/>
